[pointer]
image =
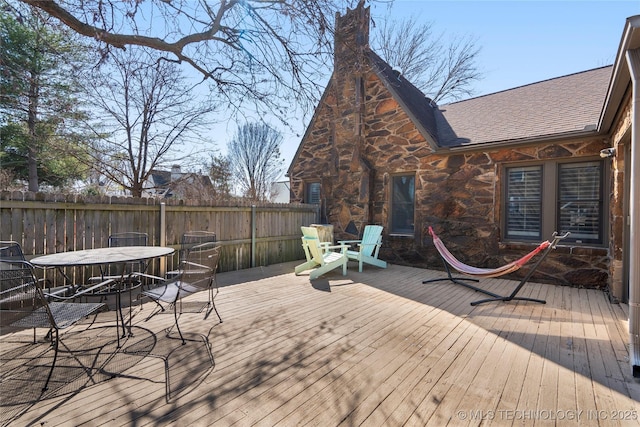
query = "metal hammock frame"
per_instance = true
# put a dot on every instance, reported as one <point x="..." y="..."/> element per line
<point x="449" y="260"/>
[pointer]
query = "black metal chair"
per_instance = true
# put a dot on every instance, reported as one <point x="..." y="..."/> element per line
<point x="197" y="273"/>
<point x="198" y="236"/>
<point x="192" y="238"/>
<point x="24" y="305"/>
<point x="187" y="241"/>
<point x="130" y="238"/>
<point x="11" y="251"/>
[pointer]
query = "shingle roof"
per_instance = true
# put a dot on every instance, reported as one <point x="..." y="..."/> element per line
<point x="160" y="178"/>
<point x="549" y="108"/>
<point x="553" y="107"/>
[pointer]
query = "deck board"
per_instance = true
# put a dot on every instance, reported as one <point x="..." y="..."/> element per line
<point x="377" y="348"/>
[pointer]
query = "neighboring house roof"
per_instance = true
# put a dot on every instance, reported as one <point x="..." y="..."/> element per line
<point x="160" y="179"/>
<point x="165" y="183"/>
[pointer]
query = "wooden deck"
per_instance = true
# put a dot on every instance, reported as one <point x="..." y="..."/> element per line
<point x="377" y="348"/>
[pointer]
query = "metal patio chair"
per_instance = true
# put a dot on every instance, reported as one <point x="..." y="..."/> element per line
<point x="192" y="238"/>
<point x="121" y="278"/>
<point x="187" y="241"/>
<point x="130" y="238"/>
<point x="24" y="305"/>
<point x="197" y="273"/>
<point x="11" y="251"/>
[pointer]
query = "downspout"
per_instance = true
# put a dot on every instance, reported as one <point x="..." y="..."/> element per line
<point x="633" y="61"/>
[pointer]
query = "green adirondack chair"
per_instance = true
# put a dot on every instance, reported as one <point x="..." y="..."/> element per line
<point x="368" y="247"/>
<point x="321" y="257"/>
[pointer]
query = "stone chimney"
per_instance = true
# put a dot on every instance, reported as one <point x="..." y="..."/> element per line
<point x="175" y="173"/>
<point x="351" y="37"/>
<point x="350" y="184"/>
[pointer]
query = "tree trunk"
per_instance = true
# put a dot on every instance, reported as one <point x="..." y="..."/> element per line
<point x="32" y="151"/>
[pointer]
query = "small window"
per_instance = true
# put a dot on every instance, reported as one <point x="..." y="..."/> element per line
<point x="402" y="204"/>
<point x="312" y="194"/>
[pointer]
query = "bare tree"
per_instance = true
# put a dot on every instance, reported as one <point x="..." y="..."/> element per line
<point x="443" y="72"/>
<point x="254" y="156"/>
<point x="147" y="113"/>
<point x="221" y="178"/>
<point x="267" y="53"/>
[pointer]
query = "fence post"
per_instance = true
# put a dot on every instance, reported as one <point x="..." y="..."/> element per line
<point x="253" y="236"/>
<point x="163" y="236"/>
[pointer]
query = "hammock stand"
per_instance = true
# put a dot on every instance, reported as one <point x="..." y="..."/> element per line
<point x="448" y="259"/>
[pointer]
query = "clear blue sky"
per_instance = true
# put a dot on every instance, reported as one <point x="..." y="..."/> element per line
<point x="524" y="42"/>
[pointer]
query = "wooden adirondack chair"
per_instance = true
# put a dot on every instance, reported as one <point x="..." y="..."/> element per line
<point x="368" y="247"/>
<point x="320" y="255"/>
<point x="312" y="233"/>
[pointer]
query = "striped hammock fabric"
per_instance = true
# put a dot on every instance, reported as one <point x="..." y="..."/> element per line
<point x="483" y="272"/>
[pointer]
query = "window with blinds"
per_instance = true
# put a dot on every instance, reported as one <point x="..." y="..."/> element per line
<point x="556" y="196"/>
<point x="402" y="204"/>
<point x="313" y="193"/>
<point x="524" y="202"/>
<point x="580" y="201"/>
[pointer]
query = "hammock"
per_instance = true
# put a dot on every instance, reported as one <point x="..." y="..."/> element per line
<point x="449" y="260"/>
<point x="483" y="272"/>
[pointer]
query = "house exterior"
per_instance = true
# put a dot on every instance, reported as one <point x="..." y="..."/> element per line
<point x="175" y="183"/>
<point x="494" y="175"/>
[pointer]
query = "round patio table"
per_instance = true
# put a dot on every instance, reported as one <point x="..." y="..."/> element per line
<point x="99" y="256"/>
<point x="104" y="256"/>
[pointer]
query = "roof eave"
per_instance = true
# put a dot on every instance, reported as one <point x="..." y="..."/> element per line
<point x="510" y="143"/>
<point x="620" y="77"/>
<point x="425" y="133"/>
<point x="433" y="145"/>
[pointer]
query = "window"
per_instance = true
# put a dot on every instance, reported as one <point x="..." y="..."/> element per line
<point x="580" y="201"/>
<point x="402" y="204"/>
<point x="524" y="202"/>
<point x="555" y="196"/>
<point x="312" y="193"/>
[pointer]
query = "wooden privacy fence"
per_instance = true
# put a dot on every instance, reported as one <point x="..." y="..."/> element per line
<point x="251" y="235"/>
